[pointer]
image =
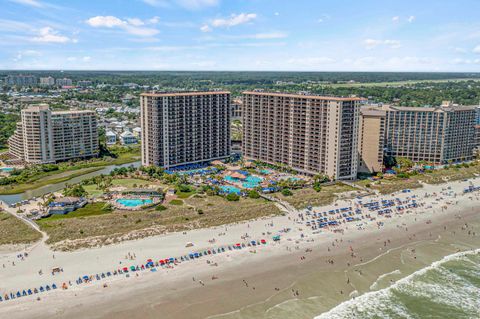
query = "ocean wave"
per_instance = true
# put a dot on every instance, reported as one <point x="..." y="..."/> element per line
<point x="436" y="284"/>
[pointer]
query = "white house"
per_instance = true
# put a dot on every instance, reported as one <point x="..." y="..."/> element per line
<point x="111" y="138"/>
<point x="127" y="138"/>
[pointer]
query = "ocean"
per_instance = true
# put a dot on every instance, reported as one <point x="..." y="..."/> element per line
<point x="449" y="288"/>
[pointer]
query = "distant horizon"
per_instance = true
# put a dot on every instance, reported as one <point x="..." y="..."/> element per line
<point x="234" y="71"/>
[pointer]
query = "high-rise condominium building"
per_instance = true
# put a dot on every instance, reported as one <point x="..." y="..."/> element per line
<point x="64" y="82"/>
<point x="184" y="128"/>
<point x="48" y="81"/>
<point x="21" y="80"/>
<point x="438" y="135"/>
<point x="311" y="134"/>
<point x="44" y="136"/>
<point x="371" y="140"/>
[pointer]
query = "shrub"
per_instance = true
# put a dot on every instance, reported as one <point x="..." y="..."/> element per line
<point x="107" y="208"/>
<point x="286" y="192"/>
<point x="177" y="202"/>
<point x="232" y="197"/>
<point x="160" y="208"/>
<point x="253" y="194"/>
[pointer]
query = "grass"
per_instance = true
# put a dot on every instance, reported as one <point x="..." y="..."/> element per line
<point x="46" y="179"/>
<point x="184" y="194"/>
<point x="92" y="209"/>
<point x="388" y="186"/>
<point x="302" y="198"/>
<point x="200" y="211"/>
<point x="14" y="231"/>
<point x="176" y="202"/>
<point x="125" y="182"/>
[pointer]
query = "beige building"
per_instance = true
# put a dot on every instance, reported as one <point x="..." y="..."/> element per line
<point x="371" y="140"/>
<point x="436" y="135"/>
<point x="311" y="134"/>
<point x="184" y="128"/>
<point x="44" y="136"/>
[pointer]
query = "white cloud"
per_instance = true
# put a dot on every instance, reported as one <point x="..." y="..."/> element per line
<point x="411" y="19"/>
<point x="154" y="20"/>
<point x="476" y="49"/>
<point x="234" y="20"/>
<point x="105" y="21"/>
<point x="132" y="26"/>
<point x="276" y="14"/>
<point x="31" y="3"/>
<point x="87" y="59"/>
<point x="466" y="61"/>
<point x="396" y="19"/>
<point x="205" y="28"/>
<point x="135" y="22"/>
<point x="49" y="35"/>
<point x="372" y="43"/>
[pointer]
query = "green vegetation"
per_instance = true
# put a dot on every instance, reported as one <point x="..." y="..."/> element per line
<point x="176" y="202"/>
<point x="37" y="176"/>
<point x="14" y="231"/>
<point x="198" y="212"/>
<point x="8" y="123"/>
<point x="76" y="190"/>
<point x="93" y="209"/>
<point x="232" y="197"/>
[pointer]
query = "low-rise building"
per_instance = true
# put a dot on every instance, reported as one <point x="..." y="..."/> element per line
<point x="127" y="138"/>
<point x="66" y="205"/>
<point x="63" y="82"/>
<point x="111" y="138"/>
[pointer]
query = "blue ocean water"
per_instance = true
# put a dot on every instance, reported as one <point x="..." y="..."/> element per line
<point x="447" y="289"/>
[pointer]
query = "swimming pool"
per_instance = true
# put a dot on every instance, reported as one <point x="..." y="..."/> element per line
<point x="6" y="169"/>
<point x="265" y="171"/>
<point x="230" y="189"/>
<point x="249" y="182"/>
<point x="133" y="202"/>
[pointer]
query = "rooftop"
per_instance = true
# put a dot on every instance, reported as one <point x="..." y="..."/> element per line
<point x="162" y="94"/>
<point x="305" y="96"/>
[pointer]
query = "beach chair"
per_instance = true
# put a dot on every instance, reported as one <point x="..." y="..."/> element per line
<point x="29" y="291"/>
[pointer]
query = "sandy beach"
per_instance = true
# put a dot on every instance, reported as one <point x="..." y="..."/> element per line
<point x="303" y="275"/>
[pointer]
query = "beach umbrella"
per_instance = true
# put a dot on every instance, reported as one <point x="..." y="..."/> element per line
<point x="18" y="294"/>
<point x="132" y="268"/>
<point x="35" y="290"/>
<point x="1" y="298"/>
<point x="47" y="287"/>
<point x="85" y="277"/>
<point x="172" y="259"/>
<point x="41" y="289"/>
<point x="24" y="293"/>
<point x="29" y="291"/>
<point x="125" y="269"/>
<point x="149" y="260"/>
<point x="54" y="286"/>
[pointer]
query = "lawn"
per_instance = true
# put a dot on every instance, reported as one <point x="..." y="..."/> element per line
<point x="14" y="231"/>
<point x="125" y="182"/>
<point x="92" y="209"/>
<point x="46" y="179"/>
<point x="304" y="197"/>
<point x="76" y="232"/>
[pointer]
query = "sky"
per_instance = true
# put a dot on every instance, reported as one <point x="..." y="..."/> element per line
<point x="241" y="35"/>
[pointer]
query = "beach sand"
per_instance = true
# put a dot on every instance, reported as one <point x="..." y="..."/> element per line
<point x="274" y="282"/>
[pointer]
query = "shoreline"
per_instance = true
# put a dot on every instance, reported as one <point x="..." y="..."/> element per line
<point x="173" y="293"/>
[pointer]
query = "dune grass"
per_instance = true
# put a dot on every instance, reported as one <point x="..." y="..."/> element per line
<point x="198" y="212"/>
<point x="304" y="197"/>
<point x="14" y="231"/>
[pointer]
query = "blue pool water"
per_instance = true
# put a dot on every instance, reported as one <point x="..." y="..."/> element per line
<point x="6" y="169"/>
<point x="265" y="171"/>
<point x="249" y="182"/>
<point x="230" y="189"/>
<point x="133" y="202"/>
